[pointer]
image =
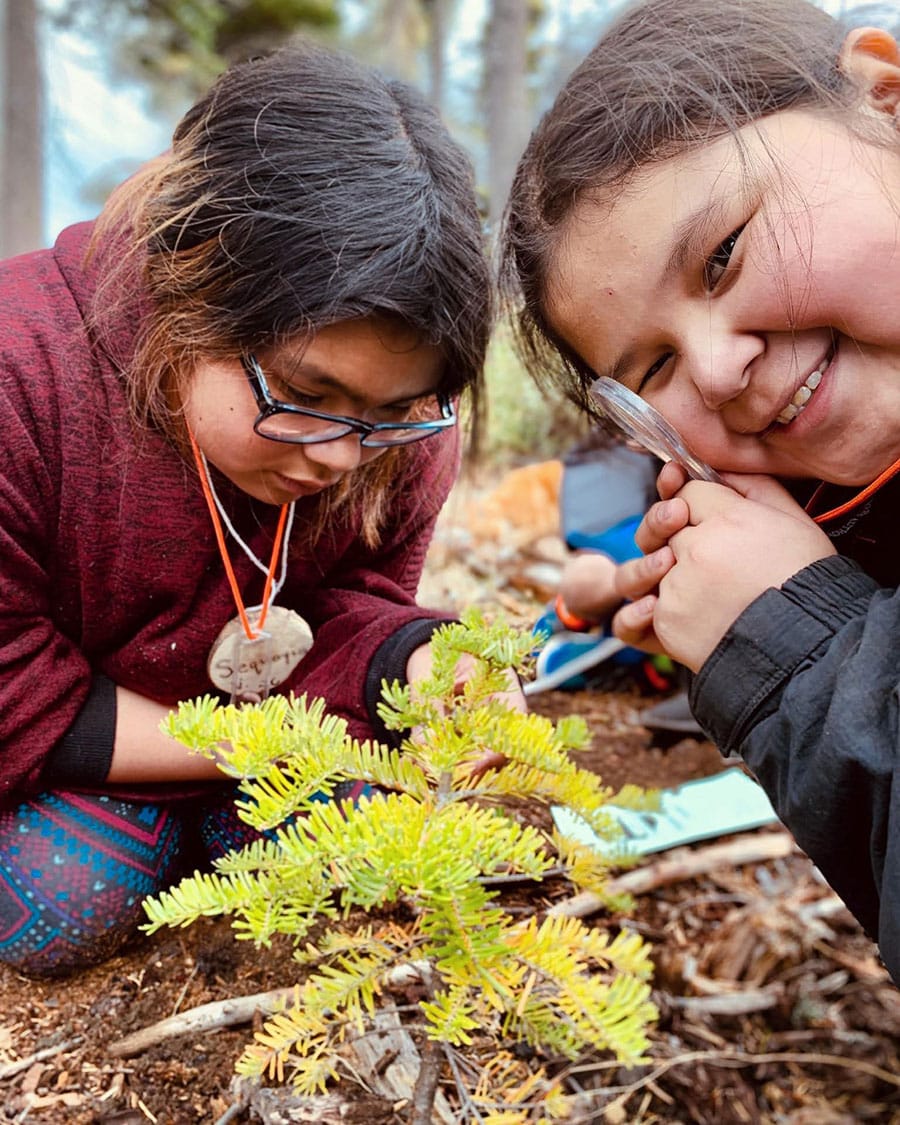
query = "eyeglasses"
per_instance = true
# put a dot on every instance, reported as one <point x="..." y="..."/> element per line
<point x="282" y="421"/>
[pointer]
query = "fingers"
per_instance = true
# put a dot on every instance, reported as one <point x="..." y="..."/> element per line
<point x="704" y="500"/>
<point x="633" y="624"/>
<point x="674" y="481"/>
<point x="492" y="760"/>
<point x="513" y="697"/>
<point x="764" y="490"/>
<point x="661" y="522"/>
<point x="643" y="575"/>
<point x="672" y="478"/>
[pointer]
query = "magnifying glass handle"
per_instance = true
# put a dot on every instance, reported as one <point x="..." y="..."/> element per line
<point x="641" y="423"/>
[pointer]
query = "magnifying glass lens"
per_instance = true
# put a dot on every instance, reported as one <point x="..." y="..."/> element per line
<point x="641" y="423"/>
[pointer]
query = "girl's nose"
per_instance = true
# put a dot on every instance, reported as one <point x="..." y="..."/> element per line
<point x="337" y="456"/>
<point x="719" y="361"/>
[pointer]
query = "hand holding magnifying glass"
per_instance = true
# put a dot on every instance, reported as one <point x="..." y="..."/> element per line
<point x="641" y="423"/>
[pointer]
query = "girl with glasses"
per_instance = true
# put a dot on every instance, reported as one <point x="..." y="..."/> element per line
<point x="710" y="214"/>
<point x="228" y="409"/>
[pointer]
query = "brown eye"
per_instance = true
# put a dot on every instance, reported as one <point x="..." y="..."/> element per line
<point x="718" y="262"/>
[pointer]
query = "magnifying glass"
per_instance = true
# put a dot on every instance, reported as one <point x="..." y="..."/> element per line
<point x="643" y="424"/>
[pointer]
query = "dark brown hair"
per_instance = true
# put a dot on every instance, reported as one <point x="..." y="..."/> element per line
<point x="302" y="190"/>
<point x="667" y="76"/>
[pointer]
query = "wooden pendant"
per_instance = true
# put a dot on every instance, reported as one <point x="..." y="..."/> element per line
<point x="249" y="669"/>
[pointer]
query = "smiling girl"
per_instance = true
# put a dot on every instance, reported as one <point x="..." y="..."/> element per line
<point x="710" y="213"/>
<point x="228" y="411"/>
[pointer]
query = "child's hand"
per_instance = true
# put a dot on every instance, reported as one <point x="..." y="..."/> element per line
<point x="637" y="581"/>
<point x="713" y="551"/>
<point x="588" y="586"/>
<point x="418" y="667"/>
<point x="419" y="664"/>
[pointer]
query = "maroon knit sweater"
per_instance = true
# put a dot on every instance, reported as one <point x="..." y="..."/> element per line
<point x="109" y="569"/>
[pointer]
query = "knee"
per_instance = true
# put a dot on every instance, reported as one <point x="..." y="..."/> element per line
<point x="74" y="870"/>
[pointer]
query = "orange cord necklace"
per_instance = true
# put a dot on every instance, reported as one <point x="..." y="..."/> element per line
<point x="223" y="550"/>
<point x="855" y="501"/>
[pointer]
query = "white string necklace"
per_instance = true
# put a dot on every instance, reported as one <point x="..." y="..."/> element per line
<point x="261" y="647"/>
<point x="277" y="583"/>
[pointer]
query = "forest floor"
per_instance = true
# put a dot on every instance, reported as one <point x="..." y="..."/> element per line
<point x="774" y="1006"/>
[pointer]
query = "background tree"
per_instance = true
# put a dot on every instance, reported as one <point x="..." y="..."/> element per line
<point x="177" y="47"/>
<point x="490" y="66"/>
<point x="405" y="39"/>
<point x="475" y="60"/>
<point x="438" y="14"/>
<point x="21" y="129"/>
<point x="508" y="114"/>
<point x="390" y="34"/>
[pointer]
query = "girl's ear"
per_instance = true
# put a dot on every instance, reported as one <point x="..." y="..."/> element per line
<point x="870" y="57"/>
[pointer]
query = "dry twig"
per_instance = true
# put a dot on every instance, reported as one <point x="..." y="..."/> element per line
<point x="682" y="864"/>
<point x="12" y="1069"/>
<point x="229" y="1013"/>
<point x="208" y="1017"/>
<point x="730" y="1003"/>
<point x="732" y="1059"/>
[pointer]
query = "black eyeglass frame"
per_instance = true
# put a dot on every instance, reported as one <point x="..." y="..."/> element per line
<point x="269" y="406"/>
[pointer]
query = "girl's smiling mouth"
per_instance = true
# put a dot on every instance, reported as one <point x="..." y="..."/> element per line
<point x="804" y="393"/>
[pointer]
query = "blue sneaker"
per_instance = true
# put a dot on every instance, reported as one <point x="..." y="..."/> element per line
<point x="567" y="648"/>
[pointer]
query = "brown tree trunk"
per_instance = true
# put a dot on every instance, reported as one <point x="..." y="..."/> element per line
<point x="436" y="13"/>
<point x="508" y="123"/>
<point x="21" y="130"/>
<point x="401" y="22"/>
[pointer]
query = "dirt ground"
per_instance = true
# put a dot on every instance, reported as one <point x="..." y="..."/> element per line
<point x="774" y="1006"/>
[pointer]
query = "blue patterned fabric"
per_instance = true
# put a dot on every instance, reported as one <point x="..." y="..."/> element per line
<point x="223" y="831"/>
<point x="75" y="867"/>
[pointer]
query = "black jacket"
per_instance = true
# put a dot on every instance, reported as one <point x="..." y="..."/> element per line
<point x="804" y="687"/>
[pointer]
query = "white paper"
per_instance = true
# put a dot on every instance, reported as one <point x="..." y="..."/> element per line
<point x="727" y="802"/>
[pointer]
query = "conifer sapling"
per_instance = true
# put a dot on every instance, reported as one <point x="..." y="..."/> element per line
<point x="425" y="855"/>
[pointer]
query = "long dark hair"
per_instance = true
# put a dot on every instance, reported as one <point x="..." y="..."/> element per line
<point x="667" y="76"/>
<point x="302" y="190"/>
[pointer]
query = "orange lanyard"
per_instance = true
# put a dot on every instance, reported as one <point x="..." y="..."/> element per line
<point x="859" y="498"/>
<point x="223" y="550"/>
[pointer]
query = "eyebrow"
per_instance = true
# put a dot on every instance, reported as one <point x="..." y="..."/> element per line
<point x="697" y="228"/>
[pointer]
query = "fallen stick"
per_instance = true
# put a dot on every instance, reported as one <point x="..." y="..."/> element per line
<point x="729" y="1058"/>
<point x="229" y="1013"/>
<point x="12" y="1069"/>
<point x="684" y="863"/>
<point x="729" y="1003"/>
<point x="208" y="1017"/>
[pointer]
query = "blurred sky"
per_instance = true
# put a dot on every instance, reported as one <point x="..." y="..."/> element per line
<point x="94" y="131"/>
<point x="98" y="132"/>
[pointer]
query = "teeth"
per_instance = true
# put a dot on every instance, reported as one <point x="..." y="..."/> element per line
<point x="803" y="395"/>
